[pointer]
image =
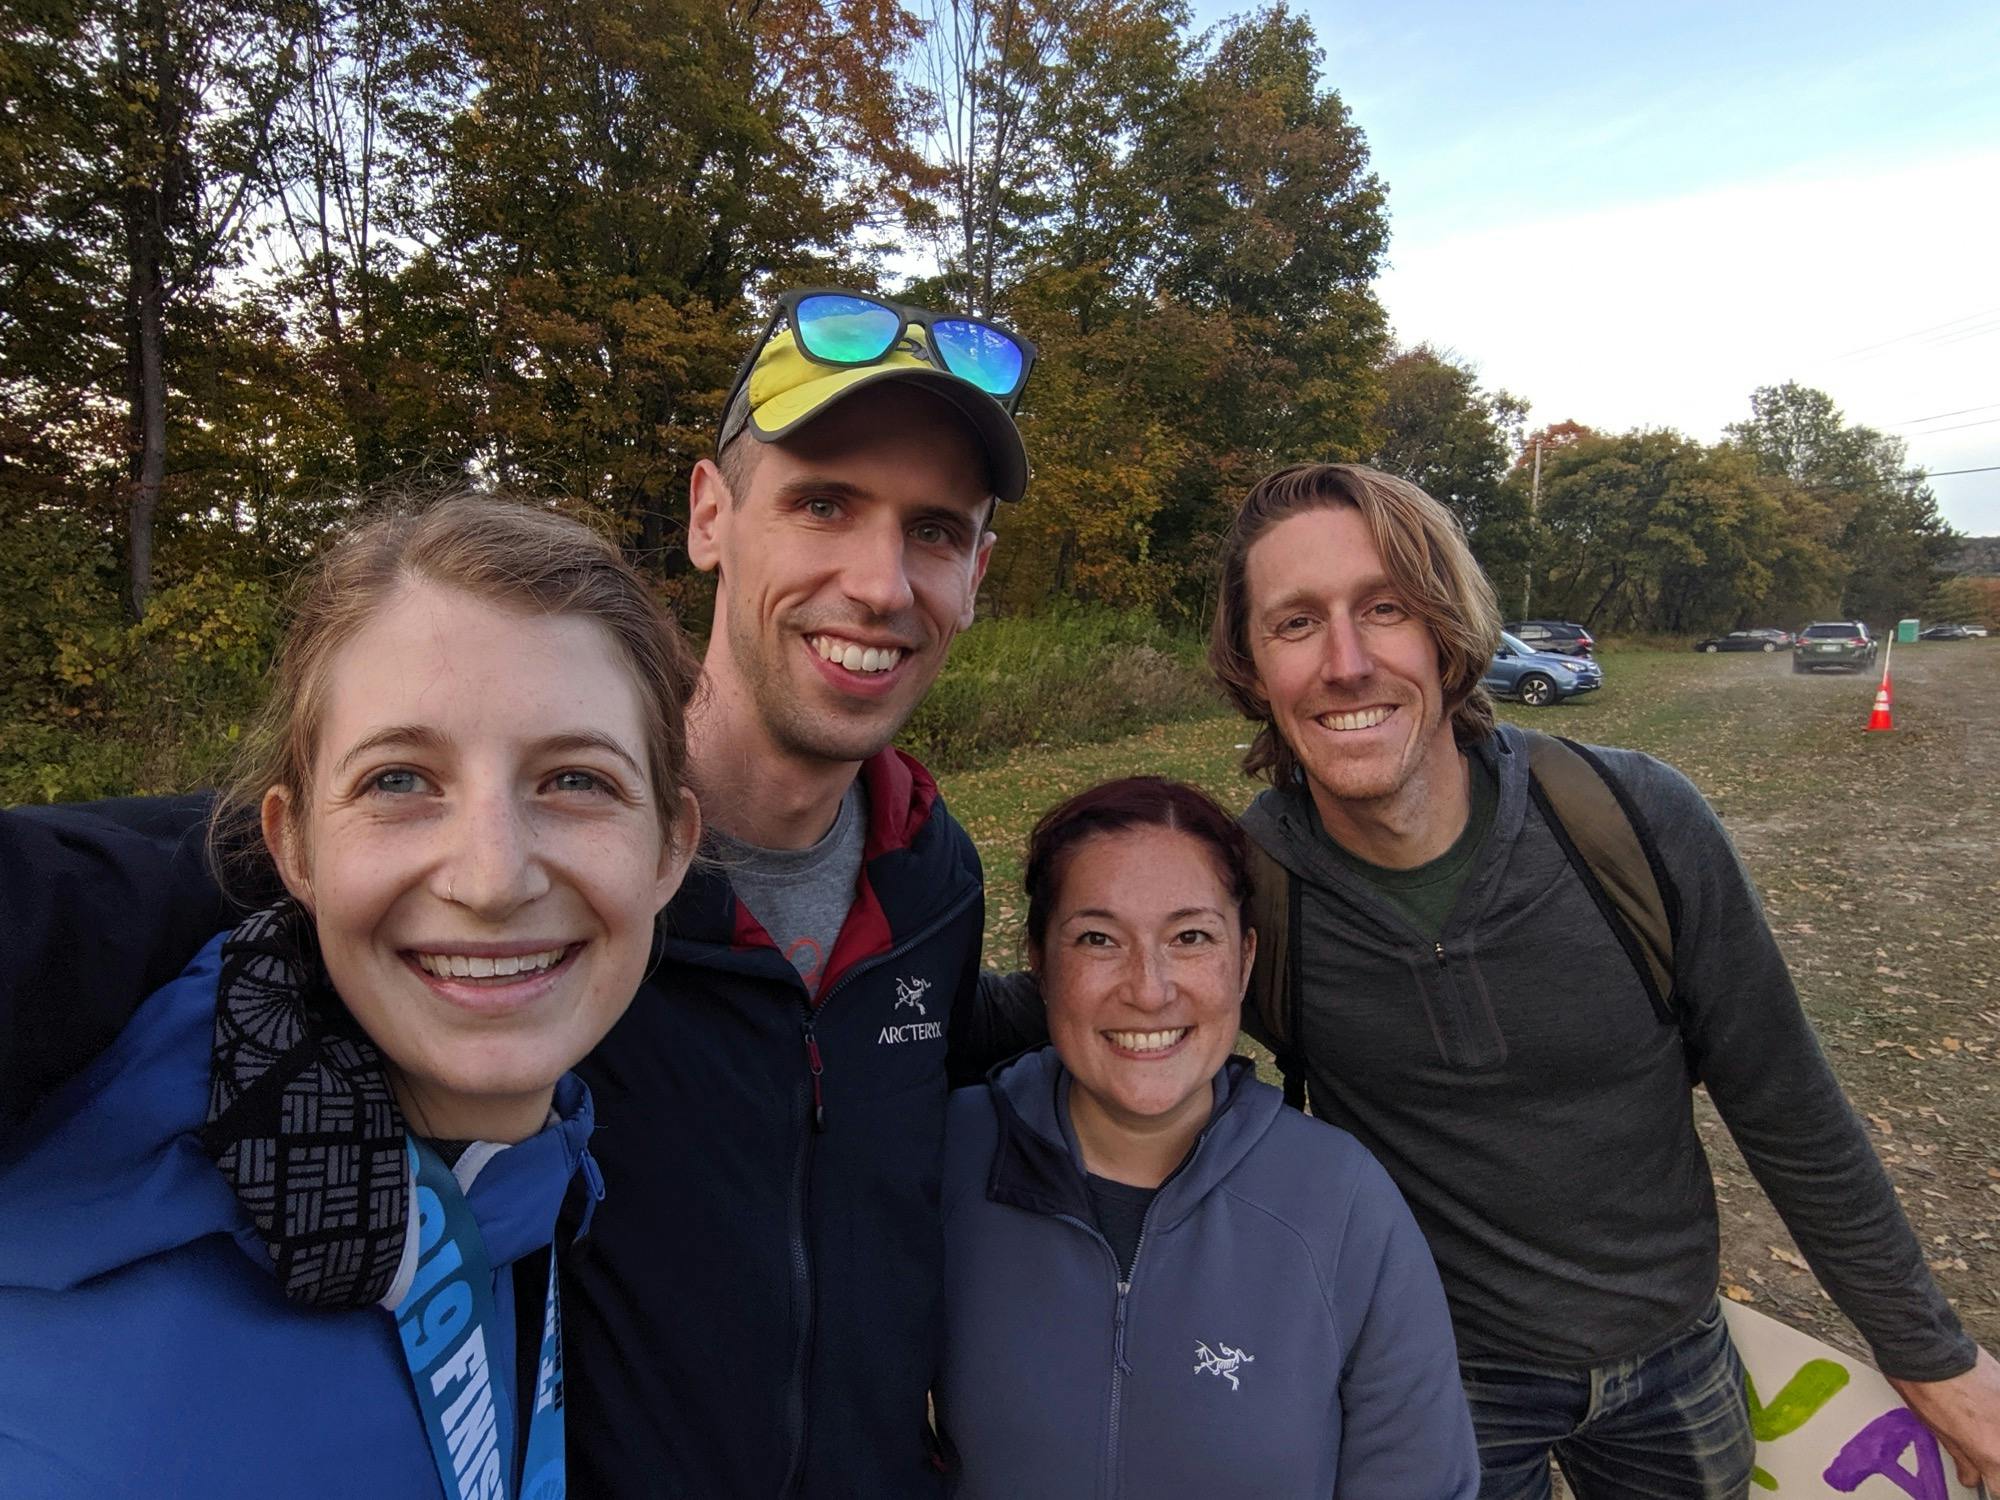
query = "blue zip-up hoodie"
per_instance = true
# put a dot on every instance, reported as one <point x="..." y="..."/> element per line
<point x="1283" y="1333"/>
<point x="145" y="1347"/>
<point x="760" y="1315"/>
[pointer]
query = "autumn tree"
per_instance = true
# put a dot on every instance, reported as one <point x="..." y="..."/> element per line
<point x="1198" y="271"/>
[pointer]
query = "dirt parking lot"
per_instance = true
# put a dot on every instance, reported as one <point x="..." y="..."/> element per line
<point x="1877" y="858"/>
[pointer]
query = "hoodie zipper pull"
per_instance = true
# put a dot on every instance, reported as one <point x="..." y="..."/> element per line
<point x="818" y="1068"/>
<point x="1439" y="948"/>
<point x="1118" y="1334"/>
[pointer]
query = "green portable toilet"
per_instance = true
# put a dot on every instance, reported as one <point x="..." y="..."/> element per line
<point x="1906" y="631"/>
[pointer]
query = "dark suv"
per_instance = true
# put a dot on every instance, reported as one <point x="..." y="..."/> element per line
<point x="1563" y="637"/>
<point x="1833" y="643"/>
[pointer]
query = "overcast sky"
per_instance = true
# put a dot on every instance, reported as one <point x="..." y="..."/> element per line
<point x="1635" y="215"/>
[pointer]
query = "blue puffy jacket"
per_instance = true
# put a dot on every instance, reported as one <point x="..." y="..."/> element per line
<point x="145" y="1349"/>
<point x="1283" y="1333"/>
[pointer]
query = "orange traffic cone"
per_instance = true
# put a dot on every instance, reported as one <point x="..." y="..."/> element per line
<point x="1880" y="719"/>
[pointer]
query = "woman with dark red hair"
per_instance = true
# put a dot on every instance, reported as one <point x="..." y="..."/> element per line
<point x="1159" y="1281"/>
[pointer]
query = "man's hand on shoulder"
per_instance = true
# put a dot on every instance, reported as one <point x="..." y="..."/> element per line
<point x="1964" y="1412"/>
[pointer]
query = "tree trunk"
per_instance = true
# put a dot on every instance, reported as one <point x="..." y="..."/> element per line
<point x="151" y="148"/>
<point x="149" y="425"/>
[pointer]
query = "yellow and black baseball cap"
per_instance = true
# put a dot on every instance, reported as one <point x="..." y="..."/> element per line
<point x="784" y="387"/>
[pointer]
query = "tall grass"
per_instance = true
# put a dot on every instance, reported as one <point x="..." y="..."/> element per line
<point x="1062" y="678"/>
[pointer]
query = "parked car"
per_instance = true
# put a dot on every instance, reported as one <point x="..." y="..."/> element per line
<point x="1563" y="637"/>
<point x="1538" y="678"/>
<point x="1746" y="640"/>
<point x="1976" y="630"/>
<point x="1833" y="643"/>
<point x="1946" y="633"/>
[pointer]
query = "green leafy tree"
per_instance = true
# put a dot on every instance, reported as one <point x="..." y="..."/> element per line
<point x="1653" y="531"/>
<point x="1859" y="516"/>
<point x="130" y="172"/>
<point x="621" y="173"/>
<point x="1434" y="425"/>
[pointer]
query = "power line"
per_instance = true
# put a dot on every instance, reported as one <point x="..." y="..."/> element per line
<point x="1939" y="416"/>
<point x="1927" y="475"/>
<point x="1959" y="426"/>
<point x="1961" y="335"/>
<point x="1920" y="332"/>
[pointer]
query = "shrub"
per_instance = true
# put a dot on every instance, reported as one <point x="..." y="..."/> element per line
<point x="1061" y="678"/>
<point x="100" y="708"/>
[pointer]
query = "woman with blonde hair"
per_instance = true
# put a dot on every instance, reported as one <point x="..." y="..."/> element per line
<point x="292" y="1232"/>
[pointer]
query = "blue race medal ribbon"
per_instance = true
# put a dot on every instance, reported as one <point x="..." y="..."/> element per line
<point x="443" y="1322"/>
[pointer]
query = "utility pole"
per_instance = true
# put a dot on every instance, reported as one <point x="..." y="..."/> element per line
<point x="1534" y="499"/>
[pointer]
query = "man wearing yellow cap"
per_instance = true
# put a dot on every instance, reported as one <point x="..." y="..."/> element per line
<point x="759" y="1315"/>
<point x="755" y="1311"/>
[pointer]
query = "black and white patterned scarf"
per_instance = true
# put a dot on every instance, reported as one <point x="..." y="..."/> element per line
<point x="301" y="1120"/>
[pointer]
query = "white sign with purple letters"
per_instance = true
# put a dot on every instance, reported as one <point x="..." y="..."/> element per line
<point x="1828" y="1424"/>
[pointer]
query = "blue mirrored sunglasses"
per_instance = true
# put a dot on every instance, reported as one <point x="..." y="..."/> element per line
<point x="846" y="329"/>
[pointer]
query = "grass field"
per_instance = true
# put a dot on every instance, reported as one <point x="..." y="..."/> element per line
<point x="1876" y="856"/>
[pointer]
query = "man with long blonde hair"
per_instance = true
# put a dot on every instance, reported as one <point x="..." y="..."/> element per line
<point x="1461" y="1000"/>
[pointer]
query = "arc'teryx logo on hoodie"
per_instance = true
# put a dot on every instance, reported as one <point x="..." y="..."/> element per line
<point x="1224" y="1365"/>
<point x="911" y="992"/>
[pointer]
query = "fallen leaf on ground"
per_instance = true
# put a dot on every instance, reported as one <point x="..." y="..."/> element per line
<point x="1789" y="1257"/>
<point x="1737" y="1293"/>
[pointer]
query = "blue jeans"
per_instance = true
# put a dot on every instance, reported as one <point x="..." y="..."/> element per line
<point x="1669" y="1425"/>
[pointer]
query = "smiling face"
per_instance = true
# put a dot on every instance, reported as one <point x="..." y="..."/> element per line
<point x="846" y="568"/>
<point x="1142" y="967"/>
<point x="482" y="850"/>
<point x="1350" y="675"/>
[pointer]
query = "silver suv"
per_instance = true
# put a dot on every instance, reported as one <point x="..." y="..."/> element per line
<point x="1833" y="643"/>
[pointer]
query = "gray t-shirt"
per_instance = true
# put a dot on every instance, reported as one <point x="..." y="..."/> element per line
<point x="801" y="896"/>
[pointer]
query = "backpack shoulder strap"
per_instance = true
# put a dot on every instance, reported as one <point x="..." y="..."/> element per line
<point x="1274" y="1000"/>
<point x="1609" y="845"/>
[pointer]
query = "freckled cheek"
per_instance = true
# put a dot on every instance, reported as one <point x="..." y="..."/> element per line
<point x="357" y="880"/>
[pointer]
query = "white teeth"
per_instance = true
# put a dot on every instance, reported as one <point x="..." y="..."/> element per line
<point x="853" y="657"/>
<point x="1147" y="1041"/>
<point x="465" y="966"/>
<point x="1366" y="718"/>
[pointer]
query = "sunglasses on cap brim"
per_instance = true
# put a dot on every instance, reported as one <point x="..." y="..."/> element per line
<point x="846" y="330"/>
